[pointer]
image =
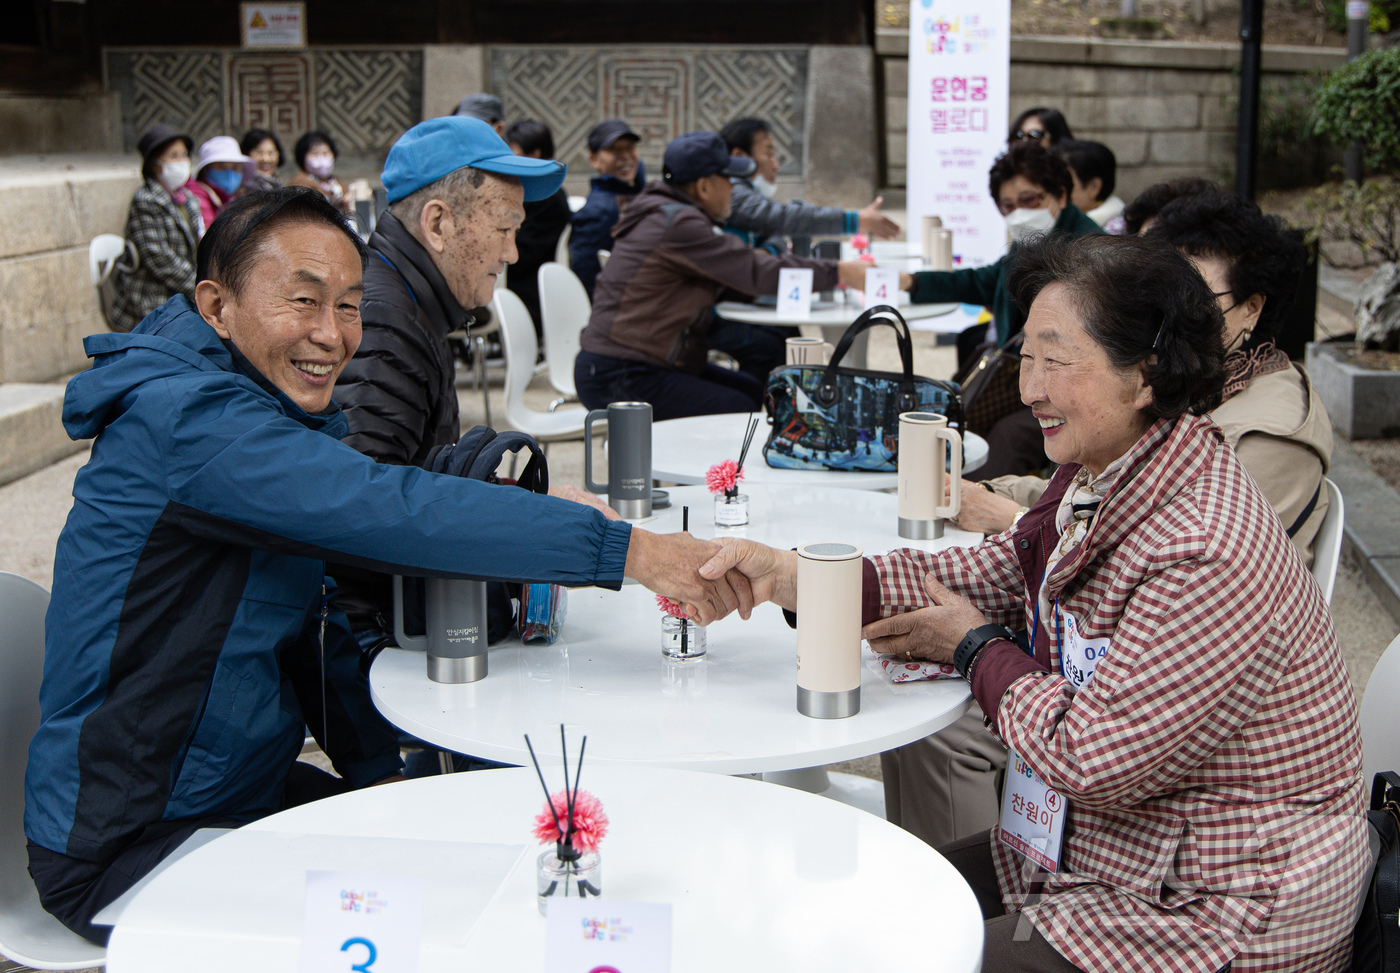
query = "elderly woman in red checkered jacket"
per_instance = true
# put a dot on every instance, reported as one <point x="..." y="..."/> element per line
<point x="1185" y="790"/>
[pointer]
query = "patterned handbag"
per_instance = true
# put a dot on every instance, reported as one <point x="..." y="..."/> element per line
<point x="991" y="389"/>
<point x="826" y="417"/>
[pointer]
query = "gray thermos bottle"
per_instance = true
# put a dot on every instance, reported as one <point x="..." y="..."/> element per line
<point x="629" y="457"/>
<point x="454" y="612"/>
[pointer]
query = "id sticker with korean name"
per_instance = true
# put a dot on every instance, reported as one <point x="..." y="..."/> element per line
<point x="1079" y="657"/>
<point x="1032" y="815"/>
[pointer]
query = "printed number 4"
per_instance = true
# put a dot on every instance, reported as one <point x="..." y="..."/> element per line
<point x="369" y="960"/>
<point x="796" y="294"/>
<point x="881" y="292"/>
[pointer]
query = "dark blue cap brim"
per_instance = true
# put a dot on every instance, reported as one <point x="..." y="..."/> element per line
<point x="739" y="165"/>
<point x="541" y="178"/>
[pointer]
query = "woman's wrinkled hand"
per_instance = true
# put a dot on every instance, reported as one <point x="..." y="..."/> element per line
<point x="928" y="634"/>
<point x="983" y="512"/>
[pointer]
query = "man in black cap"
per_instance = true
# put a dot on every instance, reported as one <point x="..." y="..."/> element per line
<point x="612" y="150"/>
<point x="647" y="338"/>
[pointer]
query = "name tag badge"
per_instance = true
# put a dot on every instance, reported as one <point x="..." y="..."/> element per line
<point x="1079" y="657"/>
<point x="1032" y="815"/>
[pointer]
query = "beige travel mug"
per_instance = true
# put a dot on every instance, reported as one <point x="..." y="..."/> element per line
<point x="923" y="474"/>
<point x="808" y="351"/>
<point x="930" y="224"/>
<point x="942" y="253"/>
<point x="828" y="630"/>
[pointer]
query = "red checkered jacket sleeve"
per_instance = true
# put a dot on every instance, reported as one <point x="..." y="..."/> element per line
<point x="987" y="575"/>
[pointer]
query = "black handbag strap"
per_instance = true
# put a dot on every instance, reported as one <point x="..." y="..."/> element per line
<point x="828" y="389"/>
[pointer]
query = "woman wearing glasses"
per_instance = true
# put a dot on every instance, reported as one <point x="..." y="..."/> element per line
<point x="1031" y="188"/>
<point x="1044" y="125"/>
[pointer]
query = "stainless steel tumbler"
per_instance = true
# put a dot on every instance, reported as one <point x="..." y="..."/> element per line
<point x="629" y="457"/>
<point x="454" y="613"/>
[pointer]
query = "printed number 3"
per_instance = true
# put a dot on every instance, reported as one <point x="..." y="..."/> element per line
<point x="369" y="960"/>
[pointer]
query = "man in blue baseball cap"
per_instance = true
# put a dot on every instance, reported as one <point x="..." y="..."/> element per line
<point x="456" y="194"/>
<point x="648" y="336"/>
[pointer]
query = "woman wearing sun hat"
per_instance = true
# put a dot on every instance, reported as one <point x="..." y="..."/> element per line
<point x="221" y="172"/>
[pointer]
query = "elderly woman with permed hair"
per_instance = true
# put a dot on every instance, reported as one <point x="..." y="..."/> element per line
<point x="1193" y="724"/>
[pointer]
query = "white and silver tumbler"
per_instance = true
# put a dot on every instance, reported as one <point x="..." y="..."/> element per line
<point x="924" y="443"/>
<point x="828" y="630"/>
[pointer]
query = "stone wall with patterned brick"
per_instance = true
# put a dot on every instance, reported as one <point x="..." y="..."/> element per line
<point x="1165" y="109"/>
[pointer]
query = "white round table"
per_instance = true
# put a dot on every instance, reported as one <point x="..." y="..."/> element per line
<point x="790" y="516"/>
<point x="683" y="449"/>
<point x="732" y="712"/>
<point x="833" y="321"/>
<point x="758" y="877"/>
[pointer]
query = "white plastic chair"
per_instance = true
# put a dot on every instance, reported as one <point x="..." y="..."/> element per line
<point x="105" y="254"/>
<point x="28" y="934"/>
<point x="1380" y="730"/>
<point x="577" y="203"/>
<point x="1327" y="546"/>
<point x="565" y="308"/>
<point x="521" y="350"/>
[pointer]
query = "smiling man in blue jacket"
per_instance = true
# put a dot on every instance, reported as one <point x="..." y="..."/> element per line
<point x="188" y="642"/>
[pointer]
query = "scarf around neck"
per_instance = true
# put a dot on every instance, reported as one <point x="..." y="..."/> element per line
<point x="1242" y="365"/>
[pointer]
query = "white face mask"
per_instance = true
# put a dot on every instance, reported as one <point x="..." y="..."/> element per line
<point x="173" y="175"/>
<point x="765" y="188"/>
<point x="1027" y="223"/>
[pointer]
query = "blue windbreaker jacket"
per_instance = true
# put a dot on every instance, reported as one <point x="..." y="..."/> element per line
<point x="182" y="650"/>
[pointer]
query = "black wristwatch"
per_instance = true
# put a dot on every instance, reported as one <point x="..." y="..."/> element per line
<point x="972" y="644"/>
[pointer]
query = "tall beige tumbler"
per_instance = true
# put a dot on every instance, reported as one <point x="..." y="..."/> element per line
<point x="924" y="442"/>
<point x="828" y="630"/>
<point x="930" y="224"/>
<point x="941" y="251"/>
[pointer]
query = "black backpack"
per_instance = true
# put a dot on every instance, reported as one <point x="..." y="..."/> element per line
<point x="1376" y="942"/>
<point x="476" y="456"/>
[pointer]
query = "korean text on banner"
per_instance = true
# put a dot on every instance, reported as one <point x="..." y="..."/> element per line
<point x="959" y="83"/>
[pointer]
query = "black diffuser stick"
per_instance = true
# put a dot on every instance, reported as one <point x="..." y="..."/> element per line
<point x="569" y="804"/>
<point x="685" y="622"/>
<point x="748" y="441"/>
<point x="549" y="802"/>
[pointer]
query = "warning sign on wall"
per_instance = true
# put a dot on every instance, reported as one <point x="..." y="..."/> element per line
<point x="273" y="25"/>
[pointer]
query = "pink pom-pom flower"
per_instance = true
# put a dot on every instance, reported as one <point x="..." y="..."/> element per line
<point x="672" y="608"/>
<point x="723" y="477"/>
<point x="860" y="241"/>
<point x="590" y="823"/>
<point x="866" y="258"/>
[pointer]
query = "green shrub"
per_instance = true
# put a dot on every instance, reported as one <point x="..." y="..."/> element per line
<point x="1360" y="102"/>
<point x="1367" y="215"/>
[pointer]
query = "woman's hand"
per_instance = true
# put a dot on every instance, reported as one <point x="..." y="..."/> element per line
<point x="928" y="634"/>
<point x="982" y="511"/>
<point x="567" y="491"/>
<point x="771" y="573"/>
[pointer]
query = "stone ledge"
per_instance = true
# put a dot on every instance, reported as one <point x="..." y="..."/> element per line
<point x="1371" y="534"/>
<point x="1363" y="403"/>
<point x="1277" y="58"/>
<point x="31" y="429"/>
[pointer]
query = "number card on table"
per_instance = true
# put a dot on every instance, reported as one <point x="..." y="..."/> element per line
<point x="882" y="286"/>
<point x="1032" y="814"/>
<point x="361" y="923"/>
<point x="795" y="292"/>
<point x="607" y="936"/>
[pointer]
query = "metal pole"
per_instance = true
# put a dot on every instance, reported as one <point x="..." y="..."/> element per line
<point x="1358" y="17"/>
<point x="1247" y="150"/>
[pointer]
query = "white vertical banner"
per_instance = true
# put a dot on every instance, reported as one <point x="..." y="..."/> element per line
<point x="959" y="85"/>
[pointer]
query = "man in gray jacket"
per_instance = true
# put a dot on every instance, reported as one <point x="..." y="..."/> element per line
<point x="763" y="221"/>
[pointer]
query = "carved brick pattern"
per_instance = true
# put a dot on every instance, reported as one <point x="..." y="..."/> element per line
<point x="367" y="99"/>
<point x="771" y="85"/>
<point x="270" y="91"/>
<point x="662" y="93"/>
<point x="653" y="95"/>
<point x="180" y="88"/>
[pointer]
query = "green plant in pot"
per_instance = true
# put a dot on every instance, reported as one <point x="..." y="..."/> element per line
<point x="1361" y="102"/>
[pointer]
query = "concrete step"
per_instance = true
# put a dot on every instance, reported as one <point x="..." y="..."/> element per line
<point x="31" y="429"/>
